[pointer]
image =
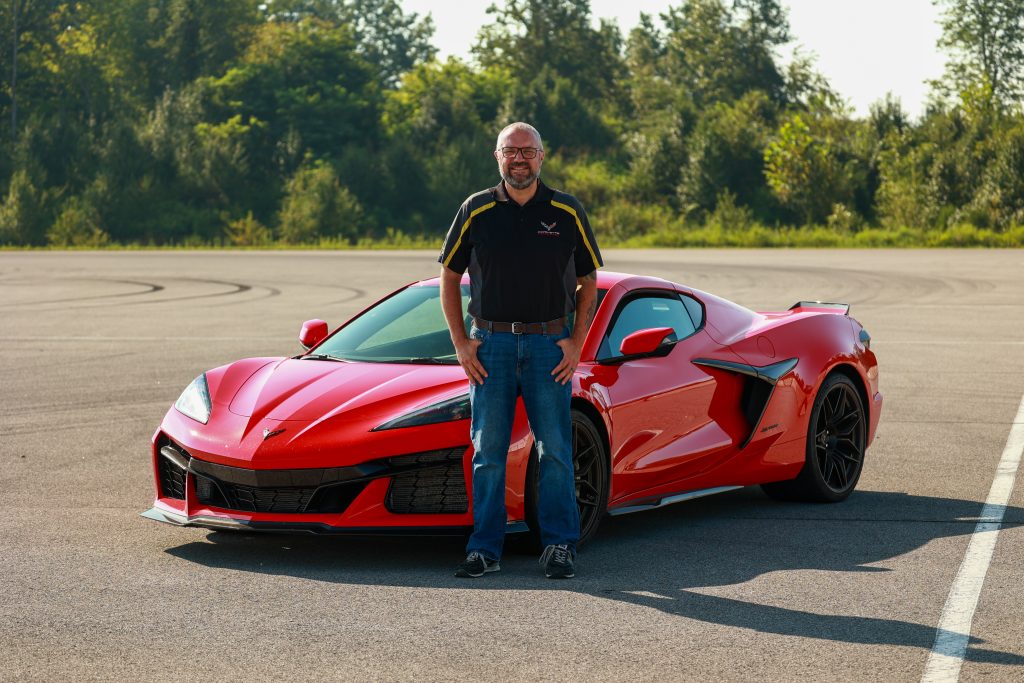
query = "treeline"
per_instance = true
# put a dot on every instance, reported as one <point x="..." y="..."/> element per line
<point x="330" y="122"/>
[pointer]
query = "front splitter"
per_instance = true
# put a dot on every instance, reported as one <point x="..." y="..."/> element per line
<point x="222" y="523"/>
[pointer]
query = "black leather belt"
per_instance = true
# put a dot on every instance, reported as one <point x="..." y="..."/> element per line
<point x="549" y="327"/>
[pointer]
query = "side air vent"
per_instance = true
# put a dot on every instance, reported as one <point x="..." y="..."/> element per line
<point x="758" y="386"/>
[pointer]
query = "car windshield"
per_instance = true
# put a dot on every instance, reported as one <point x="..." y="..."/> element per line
<point x="408" y="327"/>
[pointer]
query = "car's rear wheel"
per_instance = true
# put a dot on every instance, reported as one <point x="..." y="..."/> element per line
<point x="836" y="442"/>
<point x="590" y="464"/>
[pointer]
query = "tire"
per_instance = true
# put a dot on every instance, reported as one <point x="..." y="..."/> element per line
<point x="592" y="482"/>
<point x="836" y="445"/>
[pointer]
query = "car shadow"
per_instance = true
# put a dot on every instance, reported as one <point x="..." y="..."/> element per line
<point x="662" y="559"/>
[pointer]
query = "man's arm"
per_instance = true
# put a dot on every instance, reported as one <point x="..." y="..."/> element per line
<point x="586" y="307"/>
<point x="451" y="304"/>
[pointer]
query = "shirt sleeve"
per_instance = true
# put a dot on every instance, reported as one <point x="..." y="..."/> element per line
<point x="457" y="245"/>
<point x="587" y="255"/>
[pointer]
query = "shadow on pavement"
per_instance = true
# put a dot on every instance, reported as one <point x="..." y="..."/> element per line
<point x="660" y="559"/>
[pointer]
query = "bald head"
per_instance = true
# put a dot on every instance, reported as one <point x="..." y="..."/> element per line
<point x="519" y="129"/>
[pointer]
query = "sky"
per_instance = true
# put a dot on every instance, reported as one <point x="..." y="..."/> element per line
<point x="865" y="48"/>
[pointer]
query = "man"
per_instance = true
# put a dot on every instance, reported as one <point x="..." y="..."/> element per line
<point x="532" y="260"/>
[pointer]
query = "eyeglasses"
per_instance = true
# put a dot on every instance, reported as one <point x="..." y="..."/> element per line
<point x="511" y="152"/>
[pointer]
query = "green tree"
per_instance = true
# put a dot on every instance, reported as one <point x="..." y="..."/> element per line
<point x="985" y="43"/>
<point x="528" y="36"/>
<point x="565" y="75"/>
<point x="247" y="232"/>
<point x="23" y="215"/>
<point x="318" y="206"/>
<point x="299" y="88"/>
<point x="718" y="52"/>
<point x="201" y="38"/>
<point x="805" y="172"/>
<point x="440" y="127"/>
<point x="726" y="152"/>
<point x="389" y="38"/>
<point x="77" y="225"/>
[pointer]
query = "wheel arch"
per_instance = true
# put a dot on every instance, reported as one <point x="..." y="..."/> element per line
<point x="594" y="415"/>
<point x="851" y="373"/>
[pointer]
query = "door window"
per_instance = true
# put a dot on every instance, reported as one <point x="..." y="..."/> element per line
<point x="644" y="312"/>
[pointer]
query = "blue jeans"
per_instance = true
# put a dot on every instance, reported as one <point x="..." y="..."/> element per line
<point x="521" y="364"/>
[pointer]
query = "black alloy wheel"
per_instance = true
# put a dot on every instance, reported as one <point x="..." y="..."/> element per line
<point x="591" y="470"/>
<point x="838" y="438"/>
<point x="591" y="465"/>
<point x="836" y="442"/>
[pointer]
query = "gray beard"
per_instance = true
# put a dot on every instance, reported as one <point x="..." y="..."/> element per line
<point x="520" y="184"/>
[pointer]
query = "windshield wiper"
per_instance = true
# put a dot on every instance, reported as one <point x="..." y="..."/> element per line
<point x="423" y="361"/>
<point x="322" y="356"/>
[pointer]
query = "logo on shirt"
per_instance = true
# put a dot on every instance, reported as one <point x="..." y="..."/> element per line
<point x="549" y="229"/>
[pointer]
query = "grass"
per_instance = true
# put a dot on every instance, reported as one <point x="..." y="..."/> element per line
<point x="675" y="236"/>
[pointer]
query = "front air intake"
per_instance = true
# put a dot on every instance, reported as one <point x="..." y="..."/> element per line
<point x="437" y="486"/>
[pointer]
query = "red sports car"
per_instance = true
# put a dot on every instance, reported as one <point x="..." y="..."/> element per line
<point x="678" y="394"/>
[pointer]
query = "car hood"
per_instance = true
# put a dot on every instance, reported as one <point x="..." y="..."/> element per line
<point x="313" y="390"/>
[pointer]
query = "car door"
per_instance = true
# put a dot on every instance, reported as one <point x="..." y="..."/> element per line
<point x="658" y="404"/>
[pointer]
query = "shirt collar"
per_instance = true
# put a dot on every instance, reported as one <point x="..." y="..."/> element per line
<point x="543" y="194"/>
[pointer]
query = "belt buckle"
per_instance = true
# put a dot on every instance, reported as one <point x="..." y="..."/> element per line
<point x="519" y="329"/>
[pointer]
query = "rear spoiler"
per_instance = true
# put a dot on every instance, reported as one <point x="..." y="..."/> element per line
<point x="844" y="308"/>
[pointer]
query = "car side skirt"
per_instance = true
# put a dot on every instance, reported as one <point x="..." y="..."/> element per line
<point x="669" y="500"/>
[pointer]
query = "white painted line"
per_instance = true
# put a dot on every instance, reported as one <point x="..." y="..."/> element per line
<point x="954" y="628"/>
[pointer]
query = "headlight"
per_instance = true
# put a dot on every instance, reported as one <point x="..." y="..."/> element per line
<point x="446" y="411"/>
<point x="195" y="400"/>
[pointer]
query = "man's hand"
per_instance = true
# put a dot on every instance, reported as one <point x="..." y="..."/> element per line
<point x="465" y="347"/>
<point x="465" y="351"/>
<point x="572" y="346"/>
<point x="570" y="359"/>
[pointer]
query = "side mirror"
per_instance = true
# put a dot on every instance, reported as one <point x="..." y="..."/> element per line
<point x="312" y="333"/>
<point x="645" y="341"/>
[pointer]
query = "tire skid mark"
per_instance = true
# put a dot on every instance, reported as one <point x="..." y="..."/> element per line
<point x="151" y="288"/>
<point x="239" y="288"/>
<point x="850" y="285"/>
<point x="356" y="295"/>
<point x="271" y="292"/>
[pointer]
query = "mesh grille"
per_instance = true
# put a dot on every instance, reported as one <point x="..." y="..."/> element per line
<point x="172" y="479"/>
<point x="428" y="458"/>
<point x="269" y="499"/>
<point x="431" y="490"/>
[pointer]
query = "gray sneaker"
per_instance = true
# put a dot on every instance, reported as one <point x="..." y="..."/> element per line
<point x="558" y="562"/>
<point x="476" y="565"/>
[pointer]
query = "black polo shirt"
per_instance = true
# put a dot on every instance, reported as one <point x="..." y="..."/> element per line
<point x="523" y="261"/>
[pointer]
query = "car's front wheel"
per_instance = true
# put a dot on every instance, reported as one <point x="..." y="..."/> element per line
<point x="836" y="442"/>
<point x="591" y="473"/>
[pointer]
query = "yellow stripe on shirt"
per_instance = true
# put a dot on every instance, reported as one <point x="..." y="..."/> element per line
<point x="579" y="225"/>
<point x="465" y="226"/>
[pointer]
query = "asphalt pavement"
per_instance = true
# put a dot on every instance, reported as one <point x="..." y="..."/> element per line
<point x="95" y="346"/>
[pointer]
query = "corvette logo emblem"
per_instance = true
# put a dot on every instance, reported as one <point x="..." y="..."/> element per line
<point x="267" y="433"/>
<point x="549" y="229"/>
